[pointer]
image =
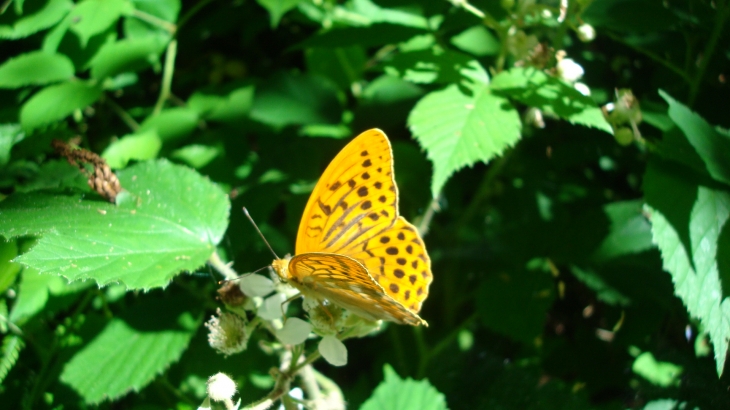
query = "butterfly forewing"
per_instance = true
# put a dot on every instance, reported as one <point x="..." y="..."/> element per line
<point x="345" y="282"/>
<point x="355" y="197"/>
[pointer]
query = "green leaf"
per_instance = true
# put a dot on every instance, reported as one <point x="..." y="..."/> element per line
<point x="663" y="374"/>
<point x="91" y="17"/>
<point x="458" y="129"/>
<point x="35" y="68"/>
<point x="12" y="345"/>
<point x="630" y="232"/>
<point x="700" y="215"/>
<point x="477" y="40"/>
<point x="8" y="269"/>
<point x="370" y="36"/>
<point x="344" y="66"/>
<point x="437" y="66"/>
<point x="55" y="102"/>
<point x="126" y="55"/>
<point x="140" y="146"/>
<point x="228" y="106"/>
<point x="404" y="394"/>
<point x="170" y="221"/>
<point x="52" y="13"/>
<point x="537" y="89"/>
<point x="712" y="145"/>
<point x="288" y="99"/>
<point x="171" y="123"/>
<point x="131" y="351"/>
<point x="277" y="8"/>
<point x="10" y="134"/>
<point x="35" y="290"/>
<point x="515" y="304"/>
<point x="197" y="155"/>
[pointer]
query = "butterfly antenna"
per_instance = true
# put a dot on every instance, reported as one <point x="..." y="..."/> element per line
<point x="245" y="211"/>
<point x="220" y="282"/>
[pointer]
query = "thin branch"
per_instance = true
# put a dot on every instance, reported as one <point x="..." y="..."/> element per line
<point x="464" y="4"/>
<point x="190" y="13"/>
<point x="123" y="115"/>
<point x="167" y="72"/>
<point x="667" y="64"/>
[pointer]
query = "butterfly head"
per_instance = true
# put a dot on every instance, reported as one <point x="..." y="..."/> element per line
<point x="281" y="266"/>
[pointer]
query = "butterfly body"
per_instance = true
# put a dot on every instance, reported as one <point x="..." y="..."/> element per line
<point x="353" y="249"/>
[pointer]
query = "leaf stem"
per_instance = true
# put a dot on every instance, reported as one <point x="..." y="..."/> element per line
<point x="722" y="15"/>
<point x="190" y="13"/>
<point x="155" y="21"/>
<point x="123" y="115"/>
<point x="224" y="268"/>
<point x="667" y="64"/>
<point x="433" y="206"/>
<point x="167" y="72"/>
<point x="464" y="4"/>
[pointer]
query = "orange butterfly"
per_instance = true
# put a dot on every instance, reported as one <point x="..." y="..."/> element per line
<point x="352" y="247"/>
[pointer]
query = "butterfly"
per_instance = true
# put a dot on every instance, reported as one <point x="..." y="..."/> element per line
<point x="353" y="249"/>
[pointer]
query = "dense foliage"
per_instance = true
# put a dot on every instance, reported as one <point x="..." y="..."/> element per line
<point x="567" y="163"/>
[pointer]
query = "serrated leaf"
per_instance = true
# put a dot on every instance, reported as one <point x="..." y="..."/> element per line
<point x="129" y="352"/>
<point x="629" y="233"/>
<point x="35" y="68"/>
<point x="127" y="55"/>
<point x="693" y="266"/>
<point x="139" y="146"/>
<point x="435" y="65"/>
<point x="12" y="345"/>
<point x="712" y="146"/>
<point x="52" y="13"/>
<point x="55" y="102"/>
<point x="277" y="8"/>
<point x="395" y="393"/>
<point x="536" y="89"/>
<point x="288" y="99"/>
<point x="91" y="17"/>
<point x="171" y="123"/>
<point x="458" y="129"/>
<point x="170" y="221"/>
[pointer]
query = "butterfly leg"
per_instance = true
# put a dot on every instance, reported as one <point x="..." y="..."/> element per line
<point x="283" y="304"/>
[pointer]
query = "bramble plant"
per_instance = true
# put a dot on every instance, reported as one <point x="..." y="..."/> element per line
<point x="565" y="163"/>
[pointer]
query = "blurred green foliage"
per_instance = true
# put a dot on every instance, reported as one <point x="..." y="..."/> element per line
<point x="568" y="162"/>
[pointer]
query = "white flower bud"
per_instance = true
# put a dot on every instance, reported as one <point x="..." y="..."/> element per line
<point x="569" y="70"/>
<point x="586" y="33"/>
<point x="221" y="387"/>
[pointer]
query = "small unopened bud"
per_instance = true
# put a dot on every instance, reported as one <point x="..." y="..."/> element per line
<point x="569" y="70"/>
<point x="221" y="387"/>
<point x="586" y="33"/>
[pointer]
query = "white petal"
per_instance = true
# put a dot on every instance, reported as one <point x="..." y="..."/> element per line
<point x="294" y="332"/>
<point x="333" y="350"/>
<point x="256" y="285"/>
<point x="271" y="308"/>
